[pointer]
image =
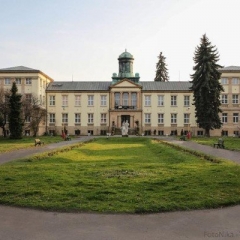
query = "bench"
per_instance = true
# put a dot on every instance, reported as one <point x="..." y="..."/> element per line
<point x="183" y="138"/>
<point x="219" y="144"/>
<point x="38" y="142"/>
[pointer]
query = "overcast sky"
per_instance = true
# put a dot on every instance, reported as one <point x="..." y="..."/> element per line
<point x="83" y="38"/>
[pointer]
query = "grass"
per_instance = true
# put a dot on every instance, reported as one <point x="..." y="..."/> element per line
<point x="125" y="175"/>
<point x="7" y="144"/>
<point x="230" y="143"/>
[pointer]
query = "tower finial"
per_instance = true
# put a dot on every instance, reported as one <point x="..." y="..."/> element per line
<point x="125" y="50"/>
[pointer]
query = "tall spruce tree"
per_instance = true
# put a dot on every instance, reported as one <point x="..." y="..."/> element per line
<point x="206" y="86"/>
<point x="162" y="71"/>
<point x="15" y="121"/>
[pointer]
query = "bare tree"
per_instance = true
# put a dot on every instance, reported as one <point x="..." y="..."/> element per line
<point x="4" y="109"/>
<point x="33" y="113"/>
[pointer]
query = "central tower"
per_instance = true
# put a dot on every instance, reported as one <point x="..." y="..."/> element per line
<point x="125" y="61"/>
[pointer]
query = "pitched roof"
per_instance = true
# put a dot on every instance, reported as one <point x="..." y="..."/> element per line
<point x="18" y="68"/>
<point x="22" y="69"/>
<point x="165" y="86"/>
<point x="230" y="69"/>
<point x="78" y="86"/>
<point x="104" y="86"/>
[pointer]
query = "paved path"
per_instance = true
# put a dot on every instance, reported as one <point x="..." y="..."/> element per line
<point x="9" y="156"/>
<point x="217" y="152"/>
<point x="27" y="224"/>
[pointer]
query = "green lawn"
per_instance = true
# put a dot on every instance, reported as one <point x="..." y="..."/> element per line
<point x="231" y="143"/>
<point x="7" y="144"/>
<point x="132" y="175"/>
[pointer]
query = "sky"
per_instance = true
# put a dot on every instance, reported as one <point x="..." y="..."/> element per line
<point x="81" y="40"/>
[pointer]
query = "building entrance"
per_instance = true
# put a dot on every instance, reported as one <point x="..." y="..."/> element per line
<point x="125" y="118"/>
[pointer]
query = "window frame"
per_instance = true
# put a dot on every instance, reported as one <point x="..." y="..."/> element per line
<point x="147" y="118"/>
<point x="160" y="118"/>
<point x="90" y="118"/>
<point x="186" y="101"/>
<point x="103" y="100"/>
<point x="52" y="118"/>
<point x="173" y="100"/>
<point x="64" y="100"/>
<point x="147" y="100"/>
<point x="52" y="100"/>
<point x="103" y="118"/>
<point x="64" y="118"/>
<point x="224" y="99"/>
<point x="235" y="99"/>
<point x="77" y="118"/>
<point x="28" y="81"/>
<point x="160" y="100"/>
<point x="173" y="118"/>
<point x="77" y="100"/>
<point x="224" y="117"/>
<point x="235" y="117"/>
<point x="91" y="100"/>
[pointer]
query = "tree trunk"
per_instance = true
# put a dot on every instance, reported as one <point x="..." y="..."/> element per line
<point x="207" y="132"/>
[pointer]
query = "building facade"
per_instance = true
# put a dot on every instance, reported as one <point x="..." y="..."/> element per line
<point x="98" y="108"/>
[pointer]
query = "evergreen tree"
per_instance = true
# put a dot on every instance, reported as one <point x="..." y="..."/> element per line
<point x="206" y="86"/>
<point x="15" y="121"/>
<point x="162" y="71"/>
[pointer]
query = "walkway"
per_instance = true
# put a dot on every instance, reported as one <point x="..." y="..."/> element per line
<point x="10" y="156"/>
<point x="217" y="152"/>
<point x="27" y="224"/>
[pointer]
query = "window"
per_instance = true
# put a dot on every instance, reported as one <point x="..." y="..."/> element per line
<point x="18" y="81"/>
<point x="147" y="118"/>
<point x="125" y="99"/>
<point x="224" y="81"/>
<point x="161" y="133"/>
<point x="64" y="118"/>
<point x="235" y="98"/>
<point x="173" y="118"/>
<point x="160" y="100"/>
<point x="28" y="81"/>
<point x="90" y="100"/>
<point x="90" y="118"/>
<point x="235" y="81"/>
<point x="28" y="97"/>
<point x="186" y="118"/>
<point x="224" y="133"/>
<point x="147" y="100"/>
<point x="224" y="117"/>
<point x="43" y="102"/>
<point x="64" y="100"/>
<point x="117" y="99"/>
<point x="186" y="101"/>
<point x="52" y="117"/>
<point x="7" y="81"/>
<point x="52" y="100"/>
<point x="173" y="100"/>
<point x="224" y="99"/>
<point x="103" y="118"/>
<point x="28" y="119"/>
<point x="77" y="117"/>
<point x="235" y="117"/>
<point x="200" y="133"/>
<point x="77" y="100"/>
<point x="103" y="100"/>
<point x="134" y="99"/>
<point x="160" y="118"/>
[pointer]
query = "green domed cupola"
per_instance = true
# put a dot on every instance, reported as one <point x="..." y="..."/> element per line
<point x="125" y="68"/>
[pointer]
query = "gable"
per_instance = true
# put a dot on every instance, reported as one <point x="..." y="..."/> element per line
<point x="125" y="83"/>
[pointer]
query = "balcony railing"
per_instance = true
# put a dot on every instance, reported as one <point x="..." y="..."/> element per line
<point x="125" y="107"/>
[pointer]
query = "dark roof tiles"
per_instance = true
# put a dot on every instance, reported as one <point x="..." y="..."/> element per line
<point x="104" y="86"/>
